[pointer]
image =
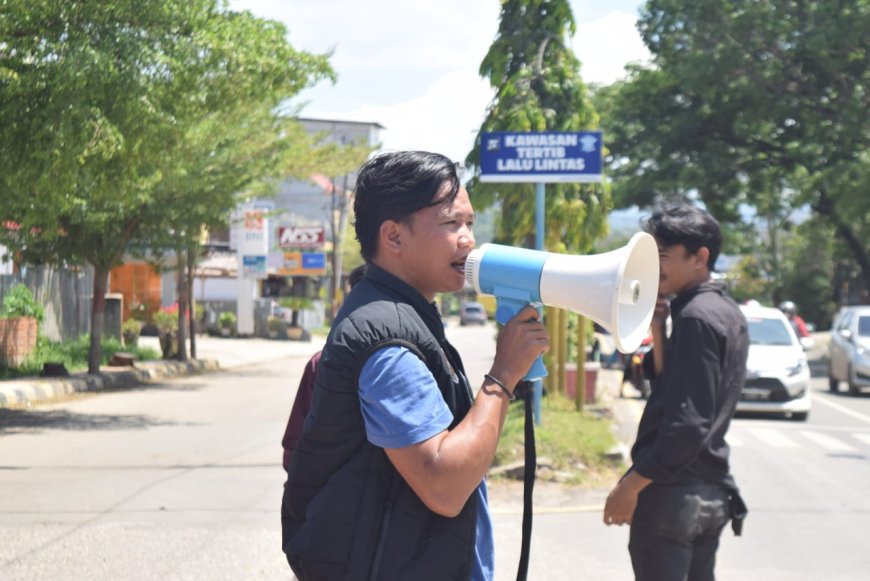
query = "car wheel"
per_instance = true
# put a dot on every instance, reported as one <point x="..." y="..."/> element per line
<point x="800" y="416"/>
<point x="853" y="387"/>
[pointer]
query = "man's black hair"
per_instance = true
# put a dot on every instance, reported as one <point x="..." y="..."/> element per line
<point x="685" y="224"/>
<point x="394" y="185"/>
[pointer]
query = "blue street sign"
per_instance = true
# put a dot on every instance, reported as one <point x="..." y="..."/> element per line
<point x="313" y="260"/>
<point x="542" y="157"/>
<point x="254" y="266"/>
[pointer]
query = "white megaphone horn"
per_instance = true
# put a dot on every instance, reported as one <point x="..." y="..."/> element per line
<point x="616" y="289"/>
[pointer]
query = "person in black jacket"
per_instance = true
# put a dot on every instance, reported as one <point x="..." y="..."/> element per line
<point x="387" y="478"/>
<point x="302" y="401"/>
<point x="679" y="493"/>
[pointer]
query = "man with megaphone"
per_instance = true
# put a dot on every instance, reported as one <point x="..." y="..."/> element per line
<point x="679" y="493"/>
<point x="387" y="479"/>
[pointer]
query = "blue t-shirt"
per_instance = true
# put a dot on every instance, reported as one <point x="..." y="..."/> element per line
<point x="402" y="406"/>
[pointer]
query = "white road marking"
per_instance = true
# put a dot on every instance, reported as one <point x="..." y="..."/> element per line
<point x="864" y="438"/>
<point x="826" y="400"/>
<point x="829" y="442"/>
<point x="772" y="438"/>
<point x="734" y="441"/>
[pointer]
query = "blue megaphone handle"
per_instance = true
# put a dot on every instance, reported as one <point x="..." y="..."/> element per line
<point x="505" y="310"/>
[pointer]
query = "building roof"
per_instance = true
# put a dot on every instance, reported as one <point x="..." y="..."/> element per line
<point x="341" y="122"/>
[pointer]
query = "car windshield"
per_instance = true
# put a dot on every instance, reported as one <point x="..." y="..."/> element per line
<point x="768" y="332"/>
<point x="473" y="309"/>
<point x="864" y="327"/>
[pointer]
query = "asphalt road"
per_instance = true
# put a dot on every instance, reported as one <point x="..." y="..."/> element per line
<point x="806" y="484"/>
<point x="183" y="481"/>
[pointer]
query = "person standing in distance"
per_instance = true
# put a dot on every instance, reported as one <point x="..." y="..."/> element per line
<point x="679" y="493"/>
<point x="302" y="401"/>
<point x="387" y="480"/>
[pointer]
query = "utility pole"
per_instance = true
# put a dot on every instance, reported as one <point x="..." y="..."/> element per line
<point x="338" y="223"/>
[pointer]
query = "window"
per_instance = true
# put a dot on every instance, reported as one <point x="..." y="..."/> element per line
<point x="844" y="321"/>
<point x="768" y="332"/>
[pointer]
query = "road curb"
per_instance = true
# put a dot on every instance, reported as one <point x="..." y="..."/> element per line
<point x="34" y="390"/>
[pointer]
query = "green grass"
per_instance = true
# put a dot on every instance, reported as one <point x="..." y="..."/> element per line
<point x="567" y="437"/>
<point x="73" y="354"/>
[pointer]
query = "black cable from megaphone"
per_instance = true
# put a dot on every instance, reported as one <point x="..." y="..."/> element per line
<point x="531" y="461"/>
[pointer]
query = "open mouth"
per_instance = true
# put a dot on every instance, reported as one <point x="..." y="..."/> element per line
<point x="459" y="266"/>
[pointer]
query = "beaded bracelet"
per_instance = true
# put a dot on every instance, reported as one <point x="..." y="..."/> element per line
<point x="503" y="387"/>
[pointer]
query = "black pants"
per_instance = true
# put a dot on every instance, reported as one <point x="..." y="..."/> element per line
<point x="675" y="531"/>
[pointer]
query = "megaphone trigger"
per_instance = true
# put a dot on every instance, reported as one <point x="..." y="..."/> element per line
<point x="505" y="311"/>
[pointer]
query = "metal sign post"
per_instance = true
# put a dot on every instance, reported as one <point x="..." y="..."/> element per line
<point x="540" y="207"/>
<point x="540" y="158"/>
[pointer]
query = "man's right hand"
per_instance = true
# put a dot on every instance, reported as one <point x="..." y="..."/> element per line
<point x="661" y="312"/>
<point x="520" y="342"/>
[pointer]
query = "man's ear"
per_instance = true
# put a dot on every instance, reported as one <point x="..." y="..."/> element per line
<point x="703" y="255"/>
<point x="390" y="236"/>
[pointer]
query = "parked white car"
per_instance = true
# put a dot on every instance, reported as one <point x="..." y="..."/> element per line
<point x="777" y="373"/>
<point x="849" y="349"/>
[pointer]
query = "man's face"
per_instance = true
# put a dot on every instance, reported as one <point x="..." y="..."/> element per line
<point x="435" y="243"/>
<point x="679" y="270"/>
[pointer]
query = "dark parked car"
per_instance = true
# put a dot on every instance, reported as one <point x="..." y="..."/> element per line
<point x="472" y="313"/>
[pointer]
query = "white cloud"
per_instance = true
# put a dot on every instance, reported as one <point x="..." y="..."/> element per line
<point x="391" y="34"/>
<point x="444" y="118"/>
<point x="413" y="66"/>
<point x="604" y="46"/>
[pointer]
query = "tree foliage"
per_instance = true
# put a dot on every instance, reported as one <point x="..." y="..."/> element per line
<point x="758" y="103"/>
<point x="120" y="120"/>
<point x="538" y="87"/>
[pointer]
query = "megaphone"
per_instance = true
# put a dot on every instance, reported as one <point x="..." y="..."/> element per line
<point x="616" y="289"/>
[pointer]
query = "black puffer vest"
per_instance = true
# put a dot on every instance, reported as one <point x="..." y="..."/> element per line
<point x="347" y="514"/>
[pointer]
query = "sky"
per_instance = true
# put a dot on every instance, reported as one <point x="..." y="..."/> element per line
<point x="412" y="66"/>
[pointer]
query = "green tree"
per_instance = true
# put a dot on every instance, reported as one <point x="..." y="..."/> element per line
<point x="808" y="269"/>
<point x="762" y="103"/>
<point x="750" y="281"/>
<point x="228" y="158"/>
<point x="538" y="87"/>
<point x="98" y="104"/>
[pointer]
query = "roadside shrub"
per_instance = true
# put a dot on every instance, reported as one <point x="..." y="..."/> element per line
<point x="19" y="302"/>
<point x="166" y="321"/>
<point x="130" y="331"/>
<point x="73" y="354"/>
<point x="227" y="320"/>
